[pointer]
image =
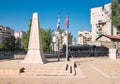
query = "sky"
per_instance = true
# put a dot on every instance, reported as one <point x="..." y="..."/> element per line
<point x="17" y="13"/>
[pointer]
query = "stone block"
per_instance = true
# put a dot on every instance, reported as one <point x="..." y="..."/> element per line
<point x="112" y="53"/>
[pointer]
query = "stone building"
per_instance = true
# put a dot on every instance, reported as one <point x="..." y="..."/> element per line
<point x="19" y="35"/>
<point x="5" y="32"/>
<point x="62" y="40"/>
<point x="84" y="37"/>
<point x="101" y="21"/>
<point x="109" y="41"/>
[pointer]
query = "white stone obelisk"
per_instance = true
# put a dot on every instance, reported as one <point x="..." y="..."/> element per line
<point x="35" y="54"/>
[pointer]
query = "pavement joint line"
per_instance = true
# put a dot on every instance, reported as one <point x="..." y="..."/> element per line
<point x="98" y="70"/>
<point x="114" y="77"/>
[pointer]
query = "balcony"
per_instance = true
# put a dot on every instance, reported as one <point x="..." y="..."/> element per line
<point x="101" y="22"/>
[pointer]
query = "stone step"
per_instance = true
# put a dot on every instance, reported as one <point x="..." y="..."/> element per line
<point x="46" y="74"/>
<point x="44" y="68"/>
<point x="61" y="67"/>
<point x="37" y="70"/>
<point x="64" y="71"/>
<point x="46" y="65"/>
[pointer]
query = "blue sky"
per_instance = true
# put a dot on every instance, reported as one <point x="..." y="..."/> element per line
<point x="17" y="13"/>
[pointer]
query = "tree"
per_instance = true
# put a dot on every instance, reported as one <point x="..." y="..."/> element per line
<point x="1" y="47"/>
<point x="9" y="43"/>
<point x="46" y="36"/>
<point x="18" y="44"/>
<point x="116" y="13"/>
<point x="25" y="39"/>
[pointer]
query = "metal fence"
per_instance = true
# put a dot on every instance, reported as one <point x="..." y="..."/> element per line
<point x="83" y="53"/>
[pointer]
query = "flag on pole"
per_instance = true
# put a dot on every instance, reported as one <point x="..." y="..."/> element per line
<point x="58" y="23"/>
<point x="67" y="22"/>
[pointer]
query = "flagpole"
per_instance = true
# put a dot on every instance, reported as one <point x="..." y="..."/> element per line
<point x="67" y="26"/>
<point x="67" y="58"/>
<point x="58" y="26"/>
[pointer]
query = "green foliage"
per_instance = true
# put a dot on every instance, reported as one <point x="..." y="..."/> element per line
<point x="46" y="36"/>
<point x="116" y="14"/>
<point x="9" y="43"/>
<point x="18" y="44"/>
<point x="1" y="47"/>
<point x="25" y="39"/>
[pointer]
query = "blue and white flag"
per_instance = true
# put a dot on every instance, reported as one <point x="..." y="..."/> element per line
<point x="58" y="23"/>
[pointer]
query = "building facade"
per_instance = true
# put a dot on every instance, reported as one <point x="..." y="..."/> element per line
<point x="101" y="21"/>
<point x="84" y="37"/>
<point x="5" y="32"/>
<point x="109" y="41"/>
<point x="62" y="40"/>
<point x="19" y="36"/>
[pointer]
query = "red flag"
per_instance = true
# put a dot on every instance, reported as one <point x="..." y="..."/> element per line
<point x="67" y="22"/>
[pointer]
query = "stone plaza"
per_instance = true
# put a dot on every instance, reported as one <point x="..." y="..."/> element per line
<point x="89" y="70"/>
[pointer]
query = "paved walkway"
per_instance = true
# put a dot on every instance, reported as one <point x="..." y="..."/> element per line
<point x="99" y="70"/>
<point x="89" y="71"/>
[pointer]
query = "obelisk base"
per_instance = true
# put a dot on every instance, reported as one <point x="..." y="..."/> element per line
<point x="34" y="56"/>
